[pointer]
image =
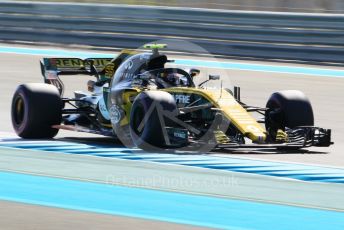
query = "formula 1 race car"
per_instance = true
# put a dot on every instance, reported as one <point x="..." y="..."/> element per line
<point x="140" y="101"/>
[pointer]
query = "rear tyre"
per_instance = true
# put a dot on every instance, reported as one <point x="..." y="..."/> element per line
<point x="148" y="119"/>
<point x="35" y="108"/>
<point x="289" y="108"/>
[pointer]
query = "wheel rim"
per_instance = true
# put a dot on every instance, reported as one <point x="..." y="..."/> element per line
<point x="19" y="110"/>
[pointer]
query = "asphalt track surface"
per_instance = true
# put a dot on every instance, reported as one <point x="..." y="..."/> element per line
<point x="325" y="93"/>
<point x="33" y="217"/>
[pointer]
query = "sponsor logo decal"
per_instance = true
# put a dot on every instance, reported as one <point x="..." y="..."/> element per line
<point x="77" y="63"/>
<point x="115" y="114"/>
<point x="182" y="99"/>
<point x="180" y="135"/>
<point x="128" y="65"/>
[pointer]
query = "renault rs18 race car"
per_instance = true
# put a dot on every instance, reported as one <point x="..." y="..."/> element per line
<point x="140" y="101"/>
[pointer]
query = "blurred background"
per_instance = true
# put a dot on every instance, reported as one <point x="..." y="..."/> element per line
<point x="315" y="6"/>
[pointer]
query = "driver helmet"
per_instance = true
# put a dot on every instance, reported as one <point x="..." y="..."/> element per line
<point x="171" y="78"/>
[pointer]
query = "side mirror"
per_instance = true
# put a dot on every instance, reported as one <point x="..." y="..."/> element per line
<point x="194" y="72"/>
<point x="214" y="77"/>
<point x="211" y="77"/>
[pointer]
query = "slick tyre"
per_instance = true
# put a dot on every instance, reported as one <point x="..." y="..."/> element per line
<point x="149" y="117"/>
<point x="289" y="108"/>
<point x="35" y="108"/>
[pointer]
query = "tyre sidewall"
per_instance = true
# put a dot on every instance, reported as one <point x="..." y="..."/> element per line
<point x="42" y="109"/>
<point x="152" y="136"/>
<point x="295" y="109"/>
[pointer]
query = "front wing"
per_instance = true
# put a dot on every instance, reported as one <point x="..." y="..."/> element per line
<point x="299" y="137"/>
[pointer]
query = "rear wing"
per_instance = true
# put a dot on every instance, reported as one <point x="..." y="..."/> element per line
<point x="65" y="66"/>
<point x="51" y="68"/>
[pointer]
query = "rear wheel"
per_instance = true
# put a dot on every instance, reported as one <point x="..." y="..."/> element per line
<point x="289" y="108"/>
<point x="35" y="108"/>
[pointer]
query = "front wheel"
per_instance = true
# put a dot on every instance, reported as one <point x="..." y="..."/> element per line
<point x="149" y="119"/>
<point x="36" y="107"/>
<point x="287" y="109"/>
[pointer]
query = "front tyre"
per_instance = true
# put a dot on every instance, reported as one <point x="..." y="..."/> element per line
<point x="35" y="108"/>
<point x="149" y="119"/>
<point x="288" y="108"/>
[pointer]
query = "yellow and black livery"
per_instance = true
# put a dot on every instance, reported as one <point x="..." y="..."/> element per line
<point x="137" y="99"/>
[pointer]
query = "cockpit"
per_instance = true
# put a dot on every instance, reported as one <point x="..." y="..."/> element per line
<point x="148" y="70"/>
<point x="165" y="78"/>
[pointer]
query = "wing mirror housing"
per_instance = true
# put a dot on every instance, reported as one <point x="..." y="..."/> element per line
<point x="214" y="77"/>
<point x="194" y="72"/>
<point x="211" y="77"/>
